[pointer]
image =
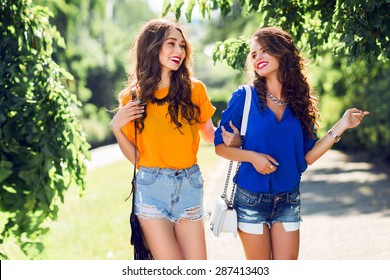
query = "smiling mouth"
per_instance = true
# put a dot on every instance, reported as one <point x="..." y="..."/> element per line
<point x="261" y="65"/>
<point x="175" y="60"/>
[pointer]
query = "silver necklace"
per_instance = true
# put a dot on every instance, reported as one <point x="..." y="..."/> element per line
<point x="275" y="100"/>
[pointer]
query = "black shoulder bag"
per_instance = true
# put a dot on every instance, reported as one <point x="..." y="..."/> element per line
<point x="137" y="239"/>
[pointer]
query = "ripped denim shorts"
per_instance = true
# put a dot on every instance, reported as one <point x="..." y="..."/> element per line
<point x="172" y="194"/>
<point x="256" y="209"/>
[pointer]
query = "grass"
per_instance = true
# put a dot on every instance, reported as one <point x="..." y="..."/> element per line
<point x="96" y="225"/>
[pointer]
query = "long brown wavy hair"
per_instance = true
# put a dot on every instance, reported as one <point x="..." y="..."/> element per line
<point x="295" y="87"/>
<point x="147" y="73"/>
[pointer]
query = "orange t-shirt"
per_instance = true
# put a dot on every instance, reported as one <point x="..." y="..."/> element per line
<point x="161" y="144"/>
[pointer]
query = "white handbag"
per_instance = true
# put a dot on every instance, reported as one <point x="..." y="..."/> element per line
<point x="224" y="216"/>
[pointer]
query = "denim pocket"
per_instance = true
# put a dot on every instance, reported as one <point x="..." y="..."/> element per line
<point x="196" y="180"/>
<point x="295" y="198"/>
<point x="245" y="197"/>
<point x="145" y="177"/>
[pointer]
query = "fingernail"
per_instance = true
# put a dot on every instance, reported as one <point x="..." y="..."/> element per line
<point x="139" y="101"/>
<point x="277" y="163"/>
<point x="140" y="115"/>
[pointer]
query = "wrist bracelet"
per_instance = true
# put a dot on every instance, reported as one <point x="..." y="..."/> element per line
<point x="334" y="135"/>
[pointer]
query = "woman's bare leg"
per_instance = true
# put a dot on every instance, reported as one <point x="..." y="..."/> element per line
<point x="285" y="244"/>
<point x="161" y="239"/>
<point x="256" y="246"/>
<point x="190" y="236"/>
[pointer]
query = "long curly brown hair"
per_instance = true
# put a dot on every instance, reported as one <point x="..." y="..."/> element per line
<point x="147" y="73"/>
<point x="295" y="87"/>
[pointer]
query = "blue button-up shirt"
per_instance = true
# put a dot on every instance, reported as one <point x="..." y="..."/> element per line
<point x="286" y="141"/>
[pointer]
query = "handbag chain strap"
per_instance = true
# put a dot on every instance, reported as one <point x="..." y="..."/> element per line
<point x="224" y="194"/>
<point x="244" y="124"/>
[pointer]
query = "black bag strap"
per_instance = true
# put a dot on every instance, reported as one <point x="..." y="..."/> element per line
<point x="133" y="181"/>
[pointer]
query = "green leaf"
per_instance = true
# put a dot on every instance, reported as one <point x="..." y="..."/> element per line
<point x="253" y="5"/>
<point x="167" y="6"/>
<point x="233" y="51"/>
<point x="370" y="5"/>
<point x="2" y="255"/>
<point x="5" y="169"/>
<point x="348" y="39"/>
<point x="30" y="201"/>
<point x="225" y="6"/>
<point x="178" y="5"/>
<point x="190" y="8"/>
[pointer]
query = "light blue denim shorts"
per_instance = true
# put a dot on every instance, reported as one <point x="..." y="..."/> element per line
<point x="256" y="209"/>
<point x="172" y="194"/>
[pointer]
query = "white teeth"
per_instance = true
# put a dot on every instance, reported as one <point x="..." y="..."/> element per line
<point x="175" y="59"/>
<point x="261" y="65"/>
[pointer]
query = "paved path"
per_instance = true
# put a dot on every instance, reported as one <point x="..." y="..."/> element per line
<point x="345" y="208"/>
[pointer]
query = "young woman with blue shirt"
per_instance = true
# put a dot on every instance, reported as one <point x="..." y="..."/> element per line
<point x="279" y="144"/>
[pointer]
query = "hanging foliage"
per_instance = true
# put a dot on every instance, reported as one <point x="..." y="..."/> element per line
<point x="348" y="27"/>
<point x="42" y="144"/>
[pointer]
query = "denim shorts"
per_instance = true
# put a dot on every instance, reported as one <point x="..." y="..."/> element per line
<point x="172" y="194"/>
<point x="256" y="209"/>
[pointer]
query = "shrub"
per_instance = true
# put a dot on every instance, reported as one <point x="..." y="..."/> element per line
<point x="42" y="145"/>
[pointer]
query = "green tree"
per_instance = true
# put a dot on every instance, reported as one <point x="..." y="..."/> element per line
<point x="361" y="84"/>
<point x="43" y="147"/>
<point x="98" y="34"/>
<point x="349" y="27"/>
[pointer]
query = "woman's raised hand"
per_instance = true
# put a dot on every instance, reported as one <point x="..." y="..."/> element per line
<point x="127" y="113"/>
<point x="353" y="117"/>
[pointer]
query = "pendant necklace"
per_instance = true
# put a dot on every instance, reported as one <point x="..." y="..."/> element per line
<point x="275" y="100"/>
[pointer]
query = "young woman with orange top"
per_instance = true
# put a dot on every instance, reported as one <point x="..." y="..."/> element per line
<point x="171" y="112"/>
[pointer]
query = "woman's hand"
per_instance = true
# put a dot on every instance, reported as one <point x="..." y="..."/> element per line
<point x="353" y="117"/>
<point x="131" y="111"/>
<point x="264" y="164"/>
<point x="231" y="139"/>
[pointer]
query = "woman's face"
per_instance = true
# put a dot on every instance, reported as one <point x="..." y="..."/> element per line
<point x="172" y="51"/>
<point x="263" y="63"/>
